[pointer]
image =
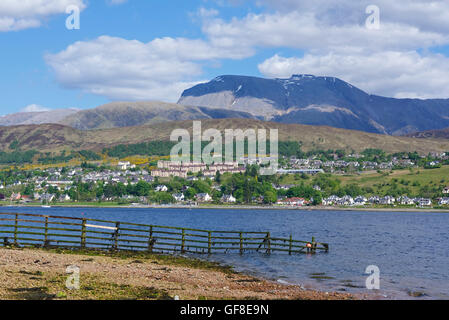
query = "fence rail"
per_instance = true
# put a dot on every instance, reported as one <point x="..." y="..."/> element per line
<point x="34" y="230"/>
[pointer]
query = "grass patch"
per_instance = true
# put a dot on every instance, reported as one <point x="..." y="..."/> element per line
<point x="141" y="257"/>
<point x="52" y="287"/>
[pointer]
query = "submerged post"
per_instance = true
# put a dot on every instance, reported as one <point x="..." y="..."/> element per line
<point x="241" y="243"/>
<point x="183" y="240"/>
<point x="290" y="246"/>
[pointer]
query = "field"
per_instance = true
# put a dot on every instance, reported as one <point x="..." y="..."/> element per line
<point x="380" y="182"/>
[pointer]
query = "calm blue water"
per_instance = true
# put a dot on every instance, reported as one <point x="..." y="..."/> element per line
<point x="411" y="249"/>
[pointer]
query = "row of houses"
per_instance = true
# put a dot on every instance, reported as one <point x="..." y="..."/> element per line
<point x="204" y="197"/>
<point x="386" y="200"/>
<point x="294" y="201"/>
<point x="365" y="165"/>
<point x="45" y="197"/>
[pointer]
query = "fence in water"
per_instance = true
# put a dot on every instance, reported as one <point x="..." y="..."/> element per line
<point x="34" y="230"/>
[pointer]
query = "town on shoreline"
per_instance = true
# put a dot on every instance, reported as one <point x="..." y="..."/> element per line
<point x="318" y="180"/>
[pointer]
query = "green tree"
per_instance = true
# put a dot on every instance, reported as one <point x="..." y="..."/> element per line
<point x="269" y="197"/>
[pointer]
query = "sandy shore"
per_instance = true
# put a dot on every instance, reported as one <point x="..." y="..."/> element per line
<point x="40" y="274"/>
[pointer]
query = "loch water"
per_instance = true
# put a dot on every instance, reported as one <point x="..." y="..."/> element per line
<point x="411" y="249"/>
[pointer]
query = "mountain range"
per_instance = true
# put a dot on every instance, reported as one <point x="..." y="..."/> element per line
<point x="57" y="137"/>
<point x="307" y="99"/>
<point x="120" y="114"/>
<point x="301" y="99"/>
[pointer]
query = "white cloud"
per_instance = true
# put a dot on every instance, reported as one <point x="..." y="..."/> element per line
<point x="397" y="74"/>
<point x="427" y="15"/>
<point x="335" y="42"/>
<point x="129" y="69"/>
<point x="302" y="30"/>
<point x="18" y="15"/>
<point x="34" y="108"/>
<point x="331" y="33"/>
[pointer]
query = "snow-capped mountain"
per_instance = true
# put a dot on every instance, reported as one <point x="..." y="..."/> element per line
<point x="307" y="99"/>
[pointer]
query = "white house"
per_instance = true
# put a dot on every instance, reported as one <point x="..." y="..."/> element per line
<point x="424" y="202"/>
<point x="178" y="197"/>
<point x="161" y="188"/>
<point x="203" y="197"/>
<point x="125" y="165"/>
<point x="387" y="200"/>
<point x="346" y="201"/>
<point x="406" y="200"/>
<point x="228" y="199"/>
<point x="295" y="201"/>
<point x="360" y="201"/>
<point x="64" y="197"/>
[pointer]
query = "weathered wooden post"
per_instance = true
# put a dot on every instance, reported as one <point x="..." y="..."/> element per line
<point x="241" y="243"/>
<point x="183" y="240"/>
<point x="313" y="245"/>
<point x="209" y="244"/>
<point x="83" y="234"/>
<point x="46" y="233"/>
<point x="116" y="234"/>
<point x="150" y="240"/>
<point x="268" y="243"/>
<point x="16" y="229"/>
<point x="290" y="246"/>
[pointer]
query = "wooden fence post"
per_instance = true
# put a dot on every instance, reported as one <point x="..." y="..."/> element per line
<point x="183" y="240"/>
<point x="268" y="243"/>
<point x="209" y="244"/>
<point x="46" y="233"/>
<point x="16" y="229"/>
<point x="290" y="246"/>
<point x="83" y="234"/>
<point x="111" y="240"/>
<point x="150" y="240"/>
<point x="116" y="234"/>
<point x="241" y="243"/>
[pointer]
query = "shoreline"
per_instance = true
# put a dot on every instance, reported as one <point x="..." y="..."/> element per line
<point x="237" y="207"/>
<point x="41" y="274"/>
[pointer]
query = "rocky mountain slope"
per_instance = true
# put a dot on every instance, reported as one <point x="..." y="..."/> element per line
<point x="36" y="117"/>
<point x="126" y="114"/>
<point x="55" y="137"/>
<point x="432" y="134"/>
<point x="306" y="99"/>
<point x="120" y="114"/>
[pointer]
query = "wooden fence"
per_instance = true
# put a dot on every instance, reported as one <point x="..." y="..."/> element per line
<point x="34" y="230"/>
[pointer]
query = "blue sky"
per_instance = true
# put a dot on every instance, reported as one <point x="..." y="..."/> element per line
<point x="152" y="50"/>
